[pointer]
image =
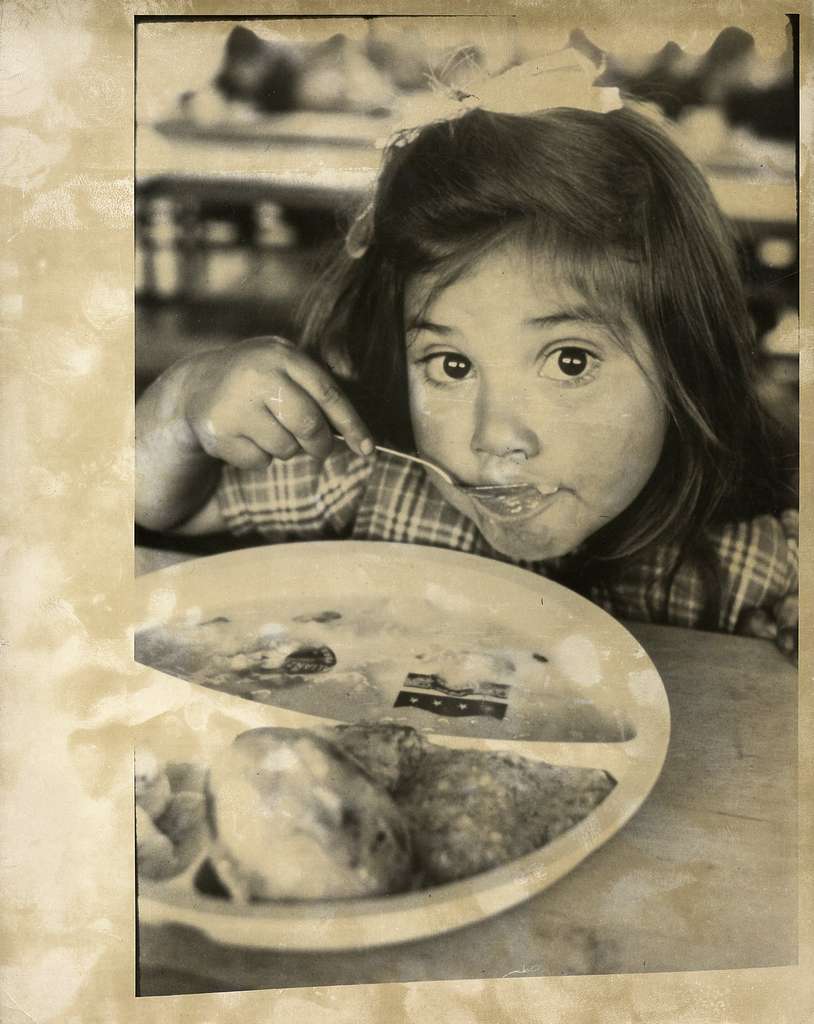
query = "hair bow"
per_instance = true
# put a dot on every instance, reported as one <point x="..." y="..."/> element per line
<point x="564" y="78"/>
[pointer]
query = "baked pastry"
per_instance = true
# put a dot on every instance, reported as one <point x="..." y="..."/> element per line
<point x="388" y="752"/>
<point x="294" y="817"/>
<point x="471" y="810"/>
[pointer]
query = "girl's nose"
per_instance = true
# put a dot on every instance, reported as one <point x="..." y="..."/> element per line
<point x="501" y="428"/>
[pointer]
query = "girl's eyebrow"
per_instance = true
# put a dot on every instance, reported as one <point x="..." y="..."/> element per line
<point x="578" y="315"/>
<point x="575" y="315"/>
<point x="418" y="323"/>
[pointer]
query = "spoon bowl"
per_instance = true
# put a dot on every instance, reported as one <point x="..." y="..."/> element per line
<point x="502" y="499"/>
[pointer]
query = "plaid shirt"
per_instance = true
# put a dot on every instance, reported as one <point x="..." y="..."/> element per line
<point x="389" y="499"/>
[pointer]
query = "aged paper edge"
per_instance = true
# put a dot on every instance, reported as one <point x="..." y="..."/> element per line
<point x="68" y="399"/>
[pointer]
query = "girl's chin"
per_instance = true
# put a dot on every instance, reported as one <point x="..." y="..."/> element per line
<point x="521" y="545"/>
<point x="531" y="540"/>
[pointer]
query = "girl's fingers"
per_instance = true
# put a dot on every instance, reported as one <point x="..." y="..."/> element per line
<point x="242" y="452"/>
<point x="787" y="611"/>
<point x="787" y="641"/>
<point x="296" y="412"/>
<point x="329" y="397"/>
<point x="269" y="434"/>
<point x="757" y="622"/>
<point x="273" y="402"/>
<point x="780" y="624"/>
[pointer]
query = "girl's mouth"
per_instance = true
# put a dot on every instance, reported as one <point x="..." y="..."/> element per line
<point x="514" y="501"/>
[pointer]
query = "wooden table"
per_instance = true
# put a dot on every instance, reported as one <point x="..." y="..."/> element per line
<point x="703" y="877"/>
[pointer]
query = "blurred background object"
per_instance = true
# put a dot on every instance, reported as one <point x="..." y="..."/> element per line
<point x="256" y="140"/>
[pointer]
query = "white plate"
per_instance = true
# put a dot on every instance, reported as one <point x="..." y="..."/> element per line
<point x="595" y="672"/>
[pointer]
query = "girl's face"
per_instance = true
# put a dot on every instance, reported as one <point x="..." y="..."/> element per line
<point x="513" y="381"/>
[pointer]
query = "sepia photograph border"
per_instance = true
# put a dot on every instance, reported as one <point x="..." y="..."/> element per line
<point x="72" y="692"/>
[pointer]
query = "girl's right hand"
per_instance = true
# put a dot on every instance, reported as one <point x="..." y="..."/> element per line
<point x="262" y="399"/>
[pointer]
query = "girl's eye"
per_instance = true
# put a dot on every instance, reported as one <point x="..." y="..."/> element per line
<point x="570" y="365"/>
<point x="443" y="367"/>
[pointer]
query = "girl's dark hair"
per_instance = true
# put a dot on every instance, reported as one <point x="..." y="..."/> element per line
<point x="612" y="206"/>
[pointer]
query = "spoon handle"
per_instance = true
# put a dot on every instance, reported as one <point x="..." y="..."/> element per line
<point x="410" y="458"/>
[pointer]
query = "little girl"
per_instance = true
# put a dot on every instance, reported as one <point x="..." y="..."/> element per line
<point x="550" y="299"/>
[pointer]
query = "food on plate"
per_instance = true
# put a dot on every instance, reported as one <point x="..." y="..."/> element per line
<point x="389" y="753"/>
<point x="294" y="817"/>
<point x="219" y="652"/>
<point x="471" y="810"/>
<point x="367" y="809"/>
<point x="171" y="828"/>
<point x="353" y="657"/>
<point x="154" y="850"/>
<point x="153" y="790"/>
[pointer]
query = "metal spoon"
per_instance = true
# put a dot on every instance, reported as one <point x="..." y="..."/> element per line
<point x="503" y="499"/>
<point x="412" y="458"/>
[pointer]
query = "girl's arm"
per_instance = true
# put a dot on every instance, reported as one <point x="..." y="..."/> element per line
<point x="244" y="405"/>
<point x="176" y="479"/>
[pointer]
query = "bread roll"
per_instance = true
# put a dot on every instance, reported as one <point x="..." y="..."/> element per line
<point x="296" y="818"/>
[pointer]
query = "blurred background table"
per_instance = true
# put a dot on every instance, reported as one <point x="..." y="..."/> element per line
<point x="703" y="877"/>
